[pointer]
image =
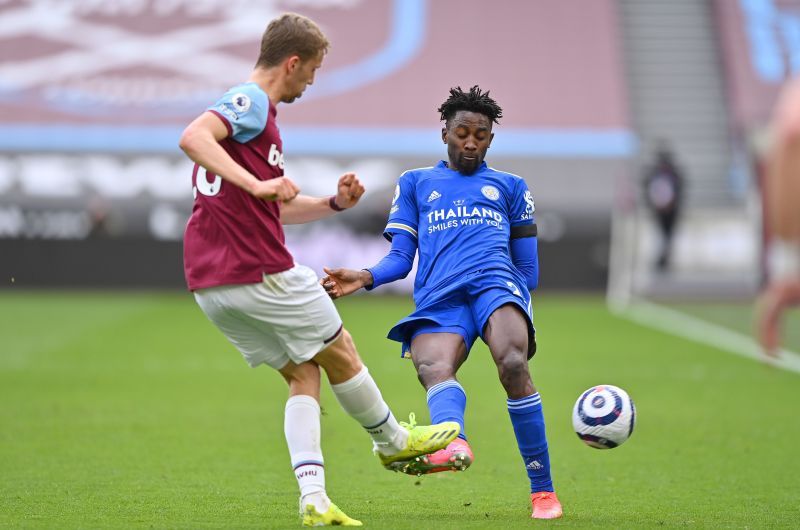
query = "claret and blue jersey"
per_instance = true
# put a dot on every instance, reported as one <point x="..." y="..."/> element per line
<point x="221" y="245"/>
<point x="244" y="110"/>
<point x="462" y="223"/>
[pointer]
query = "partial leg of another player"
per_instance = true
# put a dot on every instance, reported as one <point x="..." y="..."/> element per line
<point x="781" y="194"/>
<point x="506" y="334"/>
<point x="437" y="356"/>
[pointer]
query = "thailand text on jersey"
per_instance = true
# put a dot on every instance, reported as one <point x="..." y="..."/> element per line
<point x="461" y="222"/>
<point x="233" y="237"/>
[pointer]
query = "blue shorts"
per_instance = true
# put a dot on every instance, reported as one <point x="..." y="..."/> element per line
<point x="465" y="308"/>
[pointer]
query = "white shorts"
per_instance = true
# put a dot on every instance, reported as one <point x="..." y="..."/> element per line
<point x="286" y="317"/>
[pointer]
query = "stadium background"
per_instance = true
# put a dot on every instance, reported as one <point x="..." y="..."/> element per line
<point x="94" y="96"/>
<point x="109" y="391"/>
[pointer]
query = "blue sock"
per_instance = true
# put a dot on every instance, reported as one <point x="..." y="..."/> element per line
<point x="447" y="402"/>
<point x="528" y="421"/>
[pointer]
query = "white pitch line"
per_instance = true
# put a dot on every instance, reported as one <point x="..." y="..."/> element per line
<point x="697" y="330"/>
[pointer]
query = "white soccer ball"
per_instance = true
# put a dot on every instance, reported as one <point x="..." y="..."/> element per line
<point x="604" y="416"/>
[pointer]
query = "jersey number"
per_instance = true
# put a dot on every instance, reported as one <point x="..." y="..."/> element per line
<point x="209" y="189"/>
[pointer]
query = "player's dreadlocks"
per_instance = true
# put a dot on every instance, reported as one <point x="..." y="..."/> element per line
<point x="473" y="101"/>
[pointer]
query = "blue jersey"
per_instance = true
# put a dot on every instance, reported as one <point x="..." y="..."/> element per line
<point x="461" y="223"/>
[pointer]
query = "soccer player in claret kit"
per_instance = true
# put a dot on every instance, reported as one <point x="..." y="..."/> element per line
<point x="475" y="232"/>
<point x="271" y="309"/>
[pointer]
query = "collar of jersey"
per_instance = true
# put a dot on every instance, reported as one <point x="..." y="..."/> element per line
<point x="444" y="165"/>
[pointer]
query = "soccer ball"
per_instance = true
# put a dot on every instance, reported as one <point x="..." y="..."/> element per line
<point x="603" y="417"/>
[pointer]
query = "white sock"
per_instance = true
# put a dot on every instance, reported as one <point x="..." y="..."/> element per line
<point x="361" y="399"/>
<point x="318" y="500"/>
<point x="302" y="429"/>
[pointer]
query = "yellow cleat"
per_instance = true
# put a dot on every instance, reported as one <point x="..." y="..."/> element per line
<point x="422" y="440"/>
<point x="333" y="517"/>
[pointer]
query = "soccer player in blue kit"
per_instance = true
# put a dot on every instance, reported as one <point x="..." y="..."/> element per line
<point x="475" y="231"/>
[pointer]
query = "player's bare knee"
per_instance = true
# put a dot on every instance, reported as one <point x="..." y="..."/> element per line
<point x="513" y="370"/>
<point x="433" y="372"/>
<point x="302" y="379"/>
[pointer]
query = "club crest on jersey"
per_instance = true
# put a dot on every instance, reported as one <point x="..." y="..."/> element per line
<point x="490" y="192"/>
<point x="240" y="102"/>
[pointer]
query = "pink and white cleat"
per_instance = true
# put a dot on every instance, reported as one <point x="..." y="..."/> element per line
<point x="545" y="505"/>
<point x="457" y="456"/>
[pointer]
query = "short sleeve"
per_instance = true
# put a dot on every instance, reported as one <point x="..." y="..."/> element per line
<point x="522" y="207"/>
<point x="244" y="109"/>
<point x="403" y="215"/>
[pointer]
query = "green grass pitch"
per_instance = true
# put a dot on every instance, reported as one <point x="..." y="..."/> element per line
<point x="125" y="410"/>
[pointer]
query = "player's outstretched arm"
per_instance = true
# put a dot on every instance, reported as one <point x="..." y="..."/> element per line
<point x="304" y="209"/>
<point x="200" y="141"/>
<point x="341" y="282"/>
<point x="394" y="266"/>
